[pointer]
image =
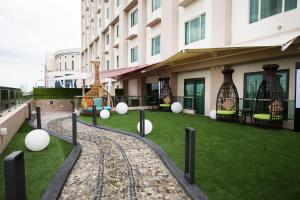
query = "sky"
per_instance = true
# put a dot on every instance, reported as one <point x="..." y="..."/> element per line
<point x="29" y="29"/>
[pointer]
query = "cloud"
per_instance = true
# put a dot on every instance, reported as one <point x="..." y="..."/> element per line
<point x="28" y="29"/>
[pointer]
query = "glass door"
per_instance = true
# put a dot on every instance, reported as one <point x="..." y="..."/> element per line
<point x="195" y="88"/>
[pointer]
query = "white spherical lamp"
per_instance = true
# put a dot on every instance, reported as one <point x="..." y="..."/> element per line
<point x="122" y="108"/>
<point x="213" y="114"/>
<point x="37" y="140"/>
<point x="104" y="114"/>
<point x="176" y="107"/>
<point x="148" y="127"/>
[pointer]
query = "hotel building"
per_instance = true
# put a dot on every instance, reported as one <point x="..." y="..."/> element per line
<point x="190" y="41"/>
<point x="61" y="65"/>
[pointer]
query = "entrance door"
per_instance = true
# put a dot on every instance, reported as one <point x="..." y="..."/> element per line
<point x="195" y="88"/>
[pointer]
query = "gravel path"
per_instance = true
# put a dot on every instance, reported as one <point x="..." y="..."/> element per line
<point x="113" y="166"/>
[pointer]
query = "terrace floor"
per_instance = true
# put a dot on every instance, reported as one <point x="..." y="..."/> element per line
<point x="113" y="166"/>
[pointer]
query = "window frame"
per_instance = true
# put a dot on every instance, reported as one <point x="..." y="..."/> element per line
<point x="259" y="11"/>
<point x="132" y="21"/>
<point x="199" y="17"/>
<point x="153" y="53"/>
<point x="132" y="60"/>
<point x="154" y="5"/>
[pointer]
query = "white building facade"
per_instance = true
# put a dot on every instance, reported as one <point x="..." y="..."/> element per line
<point x="128" y="33"/>
<point x="61" y="65"/>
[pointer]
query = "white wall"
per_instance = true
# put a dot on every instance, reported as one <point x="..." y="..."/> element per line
<point x="190" y="12"/>
<point x="243" y="31"/>
<point x="132" y="87"/>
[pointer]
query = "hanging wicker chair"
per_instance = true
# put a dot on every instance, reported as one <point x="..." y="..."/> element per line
<point x="166" y="95"/>
<point x="227" y="103"/>
<point x="268" y="108"/>
<point x="97" y="95"/>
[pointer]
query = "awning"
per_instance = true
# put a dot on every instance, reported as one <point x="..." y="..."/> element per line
<point x="114" y="74"/>
<point x="123" y="72"/>
<point x="283" y="40"/>
<point x="210" y="54"/>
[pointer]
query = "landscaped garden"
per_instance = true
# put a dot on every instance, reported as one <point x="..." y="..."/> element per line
<point x="232" y="161"/>
<point x="40" y="167"/>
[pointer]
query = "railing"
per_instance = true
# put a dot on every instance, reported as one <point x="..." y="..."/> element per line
<point x="136" y="101"/>
<point x="7" y="105"/>
<point x="288" y="105"/>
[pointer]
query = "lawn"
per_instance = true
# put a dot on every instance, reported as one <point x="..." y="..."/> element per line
<point x="232" y="161"/>
<point x="40" y="167"/>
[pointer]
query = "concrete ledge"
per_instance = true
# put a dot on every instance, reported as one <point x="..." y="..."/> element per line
<point x="58" y="181"/>
<point x="54" y="104"/>
<point x="192" y="190"/>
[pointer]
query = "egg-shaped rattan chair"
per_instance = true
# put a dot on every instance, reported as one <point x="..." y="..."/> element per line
<point x="227" y="103"/>
<point x="268" y="107"/>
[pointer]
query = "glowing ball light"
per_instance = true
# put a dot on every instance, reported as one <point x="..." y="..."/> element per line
<point x="37" y="140"/>
<point x="104" y="114"/>
<point x="176" y="107"/>
<point x="148" y="127"/>
<point x="213" y="114"/>
<point x="122" y="108"/>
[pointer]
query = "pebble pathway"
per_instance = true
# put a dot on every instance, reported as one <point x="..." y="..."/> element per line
<point x="113" y="166"/>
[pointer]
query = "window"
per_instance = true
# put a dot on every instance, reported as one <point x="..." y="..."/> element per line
<point x="107" y="65"/>
<point x="252" y="82"/>
<point x="117" y="30"/>
<point x="133" y="54"/>
<point x="99" y="21"/>
<point x="195" y="29"/>
<point x="155" y="4"/>
<point x="118" y="3"/>
<point x="107" y="39"/>
<point x="270" y="7"/>
<point x="260" y="9"/>
<point x="290" y="4"/>
<point x="72" y="64"/>
<point x="117" y="61"/>
<point x="60" y="66"/>
<point x="107" y="13"/>
<point x="65" y="66"/>
<point x="134" y="18"/>
<point x="155" y="45"/>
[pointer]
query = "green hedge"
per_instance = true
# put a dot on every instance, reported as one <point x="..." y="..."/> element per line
<point x="56" y="93"/>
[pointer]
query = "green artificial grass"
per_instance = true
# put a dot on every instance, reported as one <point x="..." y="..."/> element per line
<point x="40" y="167"/>
<point x="232" y="161"/>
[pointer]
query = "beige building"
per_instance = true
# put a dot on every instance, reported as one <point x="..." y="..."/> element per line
<point x="190" y="41"/>
<point x="61" y="65"/>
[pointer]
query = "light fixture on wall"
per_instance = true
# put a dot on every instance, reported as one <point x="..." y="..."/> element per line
<point x="3" y="131"/>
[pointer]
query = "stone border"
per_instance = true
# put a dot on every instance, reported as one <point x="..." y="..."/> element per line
<point x="58" y="181"/>
<point x="192" y="190"/>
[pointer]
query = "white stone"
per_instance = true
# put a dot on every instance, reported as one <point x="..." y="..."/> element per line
<point x="148" y="127"/>
<point x="104" y="114"/>
<point x="176" y="107"/>
<point x="213" y="114"/>
<point x="37" y="140"/>
<point x="122" y="108"/>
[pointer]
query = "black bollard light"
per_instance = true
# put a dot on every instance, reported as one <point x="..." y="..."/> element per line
<point x="29" y="111"/>
<point x="74" y="128"/>
<point x="94" y="115"/>
<point x="38" y="118"/>
<point x="14" y="173"/>
<point x="142" y="123"/>
<point x="189" y="173"/>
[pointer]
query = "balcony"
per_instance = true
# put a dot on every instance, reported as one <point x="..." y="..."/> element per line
<point x="184" y="3"/>
<point x="154" y="22"/>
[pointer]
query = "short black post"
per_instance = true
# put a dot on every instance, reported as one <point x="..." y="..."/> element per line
<point x="189" y="172"/>
<point x="73" y="105"/>
<point x="94" y="115"/>
<point x="29" y="111"/>
<point x="38" y="118"/>
<point x="74" y="128"/>
<point x="14" y="173"/>
<point x="142" y="123"/>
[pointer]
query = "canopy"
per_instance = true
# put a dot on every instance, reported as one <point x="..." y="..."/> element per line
<point x="210" y="54"/>
<point x="114" y="73"/>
